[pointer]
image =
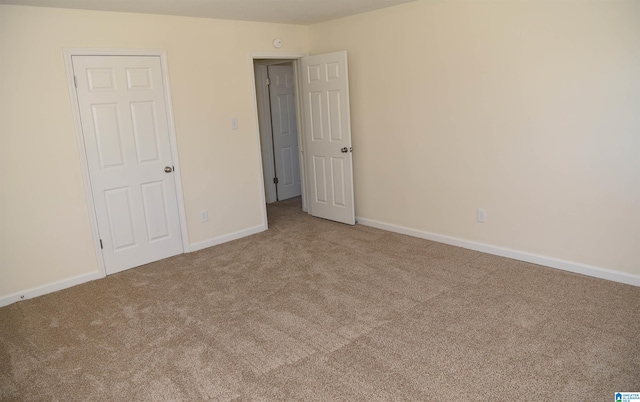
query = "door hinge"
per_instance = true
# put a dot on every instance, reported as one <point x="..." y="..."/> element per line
<point x="275" y="180"/>
<point x="102" y="248"/>
<point x="268" y="81"/>
<point x="75" y="81"/>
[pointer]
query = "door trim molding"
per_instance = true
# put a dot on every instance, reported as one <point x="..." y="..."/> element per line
<point x="266" y="134"/>
<point x="84" y="164"/>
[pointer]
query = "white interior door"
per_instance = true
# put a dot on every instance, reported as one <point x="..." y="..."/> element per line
<point x="327" y="134"/>
<point x="125" y="129"/>
<point x="282" y="95"/>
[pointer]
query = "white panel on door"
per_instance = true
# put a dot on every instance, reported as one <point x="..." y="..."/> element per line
<point x="313" y="73"/>
<point x="155" y="210"/>
<point x="123" y="112"/>
<point x="287" y="162"/>
<point x="119" y="213"/>
<point x="139" y="78"/>
<point x="101" y="79"/>
<point x="319" y="173"/>
<point x="337" y="174"/>
<point x="284" y="115"/>
<point x="107" y="131"/>
<point x="334" y="117"/>
<point x="291" y="105"/>
<point x="315" y="116"/>
<point x="333" y="71"/>
<point x="145" y="131"/>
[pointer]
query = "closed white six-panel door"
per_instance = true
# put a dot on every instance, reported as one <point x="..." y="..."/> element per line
<point x="125" y="129"/>
<point x="282" y="94"/>
<point x="325" y="89"/>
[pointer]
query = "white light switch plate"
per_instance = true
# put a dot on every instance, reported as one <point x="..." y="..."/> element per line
<point x="482" y="215"/>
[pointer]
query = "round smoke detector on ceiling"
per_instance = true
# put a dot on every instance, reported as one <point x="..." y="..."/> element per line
<point x="277" y="43"/>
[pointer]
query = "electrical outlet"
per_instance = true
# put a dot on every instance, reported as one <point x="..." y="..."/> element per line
<point x="204" y="216"/>
<point x="234" y="123"/>
<point x="482" y="215"/>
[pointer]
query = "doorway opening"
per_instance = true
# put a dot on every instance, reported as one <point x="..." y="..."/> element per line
<point x="278" y="121"/>
<point x="320" y="99"/>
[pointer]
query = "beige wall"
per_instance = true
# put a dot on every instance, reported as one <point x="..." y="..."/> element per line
<point x="44" y="219"/>
<point x="528" y="109"/>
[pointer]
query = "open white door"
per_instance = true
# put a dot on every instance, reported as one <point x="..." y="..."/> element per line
<point x="282" y="93"/>
<point x="327" y="136"/>
<point x="125" y="129"/>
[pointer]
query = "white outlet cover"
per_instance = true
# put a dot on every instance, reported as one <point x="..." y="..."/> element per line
<point x="482" y="215"/>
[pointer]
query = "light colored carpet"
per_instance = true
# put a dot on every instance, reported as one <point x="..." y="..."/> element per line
<point x="316" y="310"/>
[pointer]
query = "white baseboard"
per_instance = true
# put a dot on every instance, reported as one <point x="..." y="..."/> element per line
<point x="228" y="237"/>
<point x="77" y="280"/>
<point x="597" y="272"/>
<point x="50" y="288"/>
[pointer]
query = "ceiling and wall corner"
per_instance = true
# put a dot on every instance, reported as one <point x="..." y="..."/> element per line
<point x="298" y="12"/>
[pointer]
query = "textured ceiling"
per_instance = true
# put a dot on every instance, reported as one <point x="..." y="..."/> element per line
<point x="302" y="12"/>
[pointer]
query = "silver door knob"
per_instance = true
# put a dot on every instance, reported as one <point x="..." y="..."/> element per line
<point x="344" y="150"/>
<point x="168" y="169"/>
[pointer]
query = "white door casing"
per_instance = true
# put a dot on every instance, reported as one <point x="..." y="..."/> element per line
<point x="282" y="94"/>
<point x="327" y="136"/>
<point x="121" y="102"/>
<point x="263" y="109"/>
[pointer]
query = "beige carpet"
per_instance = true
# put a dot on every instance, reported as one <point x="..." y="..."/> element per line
<point x="315" y="310"/>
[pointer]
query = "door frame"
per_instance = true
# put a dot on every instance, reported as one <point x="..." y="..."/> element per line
<point x="77" y="123"/>
<point x="266" y="132"/>
<point x="266" y="122"/>
<point x="294" y="58"/>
